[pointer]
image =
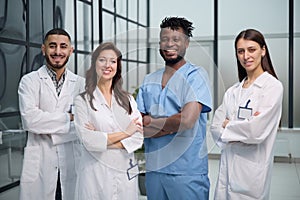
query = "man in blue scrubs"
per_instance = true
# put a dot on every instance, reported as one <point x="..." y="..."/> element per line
<point x="174" y="102"/>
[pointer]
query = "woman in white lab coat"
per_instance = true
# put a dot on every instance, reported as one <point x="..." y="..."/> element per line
<point x="245" y="125"/>
<point x="110" y="128"/>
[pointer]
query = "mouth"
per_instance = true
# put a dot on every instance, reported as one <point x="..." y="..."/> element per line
<point x="57" y="58"/>
<point x="106" y="71"/>
<point x="248" y="63"/>
<point x="170" y="52"/>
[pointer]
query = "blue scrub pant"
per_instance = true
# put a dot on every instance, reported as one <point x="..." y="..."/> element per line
<point x="176" y="187"/>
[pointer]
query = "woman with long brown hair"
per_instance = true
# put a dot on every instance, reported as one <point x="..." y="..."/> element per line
<point x="245" y="124"/>
<point x="110" y="129"/>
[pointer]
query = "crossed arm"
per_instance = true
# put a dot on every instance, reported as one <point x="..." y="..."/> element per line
<point x="157" y="127"/>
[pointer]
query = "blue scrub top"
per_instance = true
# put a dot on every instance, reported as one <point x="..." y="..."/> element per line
<point x="183" y="152"/>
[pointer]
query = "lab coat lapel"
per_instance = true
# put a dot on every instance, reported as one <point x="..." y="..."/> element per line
<point x="47" y="80"/>
<point x="68" y="86"/>
<point x="99" y="99"/>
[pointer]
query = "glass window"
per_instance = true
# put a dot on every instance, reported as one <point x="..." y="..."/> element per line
<point x="296" y="82"/>
<point x="12" y="24"/>
<point x="36" y="23"/>
<point x="199" y="12"/>
<point x="278" y="48"/>
<point x="69" y="18"/>
<point x="96" y="28"/>
<point x="125" y="74"/>
<point x="132" y="10"/>
<point x="142" y="45"/>
<point x="133" y="41"/>
<point x="108" y="23"/>
<point x="121" y="7"/>
<point x="121" y="36"/>
<point x="141" y="72"/>
<point x="12" y="71"/>
<point x="108" y="4"/>
<point x="276" y="12"/>
<point x="296" y="63"/>
<point x="84" y="30"/>
<point x="11" y="146"/>
<point x="83" y="64"/>
<point x="40" y="21"/>
<point x="71" y="63"/>
<point x="59" y="13"/>
<point x="132" y="77"/>
<point x="142" y="12"/>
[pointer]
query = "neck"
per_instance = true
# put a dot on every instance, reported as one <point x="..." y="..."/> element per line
<point x="105" y="86"/>
<point x="177" y="65"/>
<point x="251" y="76"/>
<point x="59" y="72"/>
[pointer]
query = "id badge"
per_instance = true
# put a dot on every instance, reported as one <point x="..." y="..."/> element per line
<point x="133" y="170"/>
<point x="245" y="112"/>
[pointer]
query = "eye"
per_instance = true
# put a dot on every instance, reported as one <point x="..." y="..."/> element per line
<point x="102" y="60"/>
<point x="240" y="51"/>
<point x="164" y="40"/>
<point x="51" y="46"/>
<point x="251" y="50"/>
<point x="176" y="40"/>
<point x="64" y="46"/>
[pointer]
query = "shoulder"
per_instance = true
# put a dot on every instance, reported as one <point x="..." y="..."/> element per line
<point x="267" y="80"/>
<point x="155" y="74"/>
<point x="31" y="76"/>
<point x="194" y="70"/>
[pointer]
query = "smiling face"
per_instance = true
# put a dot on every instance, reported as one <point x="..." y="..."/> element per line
<point x="106" y="65"/>
<point x="173" y="45"/>
<point x="250" y="54"/>
<point x="57" y="49"/>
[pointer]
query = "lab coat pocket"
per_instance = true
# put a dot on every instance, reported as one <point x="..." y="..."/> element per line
<point x="31" y="162"/>
<point x="247" y="177"/>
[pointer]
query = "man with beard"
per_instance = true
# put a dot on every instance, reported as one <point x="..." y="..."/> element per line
<point x="45" y="101"/>
<point x="174" y="102"/>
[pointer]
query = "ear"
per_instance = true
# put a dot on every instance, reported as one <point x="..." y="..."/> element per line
<point x="43" y="48"/>
<point x="187" y="43"/>
<point x="71" y="50"/>
<point x="263" y="53"/>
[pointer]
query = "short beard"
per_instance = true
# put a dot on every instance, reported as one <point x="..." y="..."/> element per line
<point x="55" y="66"/>
<point x="170" y="61"/>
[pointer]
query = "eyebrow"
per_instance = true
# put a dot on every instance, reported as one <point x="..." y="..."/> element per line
<point x="55" y="43"/>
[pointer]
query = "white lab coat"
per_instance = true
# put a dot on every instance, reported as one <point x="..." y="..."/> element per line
<point x="103" y="171"/>
<point x="247" y="144"/>
<point x="52" y="142"/>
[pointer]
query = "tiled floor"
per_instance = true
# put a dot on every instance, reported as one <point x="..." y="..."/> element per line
<point x="285" y="182"/>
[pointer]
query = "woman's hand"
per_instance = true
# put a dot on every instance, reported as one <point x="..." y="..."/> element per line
<point x="89" y="126"/>
<point x="225" y="123"/>
<point x="134" y="126"/>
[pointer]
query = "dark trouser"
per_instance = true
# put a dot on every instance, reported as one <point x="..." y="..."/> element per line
<point x="58" y="188"/>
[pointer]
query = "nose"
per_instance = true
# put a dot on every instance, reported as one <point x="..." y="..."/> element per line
<point x="246" y="55"/>
<point x="170" y="42"/>
<point x="57" y="50"/>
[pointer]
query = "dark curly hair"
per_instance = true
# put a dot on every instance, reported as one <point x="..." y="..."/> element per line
<point x="178" y="22"/>
<point x="122" y="97"/>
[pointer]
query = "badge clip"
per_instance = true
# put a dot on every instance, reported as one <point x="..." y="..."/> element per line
<point x="133" y="170"/>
